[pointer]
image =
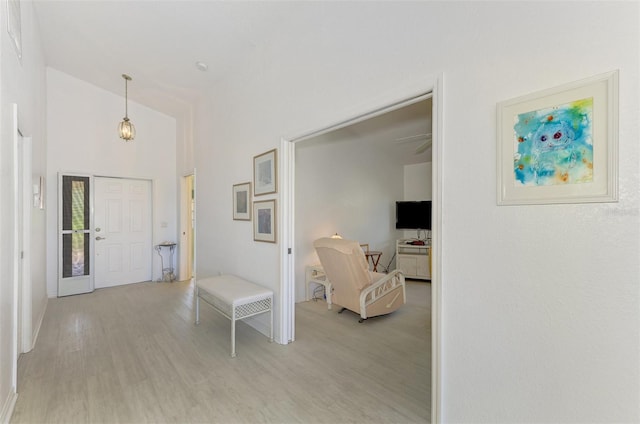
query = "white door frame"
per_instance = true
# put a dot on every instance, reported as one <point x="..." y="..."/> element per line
<point x="397" y="98"/>
<point x="15" y="248"/>
<point x="22" y="298"/>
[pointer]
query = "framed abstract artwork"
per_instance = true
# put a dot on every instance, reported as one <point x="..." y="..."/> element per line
<point x="560" y="145"/>
<point x="265" y="180"/>
<point x="242" y="202"/>
<point x="264" y="221"/>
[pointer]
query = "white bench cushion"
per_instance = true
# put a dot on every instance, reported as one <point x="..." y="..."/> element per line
<point x="233" y="290"/>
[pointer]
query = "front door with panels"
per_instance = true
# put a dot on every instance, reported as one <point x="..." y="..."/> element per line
<point x="122" y="231"/>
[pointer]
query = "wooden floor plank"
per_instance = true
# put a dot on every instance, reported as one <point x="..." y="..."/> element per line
<point x="131" y="354"/>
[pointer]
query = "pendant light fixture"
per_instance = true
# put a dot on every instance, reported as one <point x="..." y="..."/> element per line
<point x="126" y="130"/>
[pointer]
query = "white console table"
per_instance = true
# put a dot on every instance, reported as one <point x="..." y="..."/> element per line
<point x="413" y="260"/>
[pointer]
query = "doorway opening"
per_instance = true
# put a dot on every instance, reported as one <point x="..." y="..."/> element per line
<point x="374" y="164"/>
<point x="187" y="228"/>
<point x="105" y="232"/>
<point x="22" y="297"/>
<point x="391" y="101"/>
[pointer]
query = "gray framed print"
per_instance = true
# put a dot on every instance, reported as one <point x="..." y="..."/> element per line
<point x="264" y="221"/>
<point x="265" y="179"/>
<point x="242" y="202"/>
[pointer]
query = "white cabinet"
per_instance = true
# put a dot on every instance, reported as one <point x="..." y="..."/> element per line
<point x="413" y="260"/>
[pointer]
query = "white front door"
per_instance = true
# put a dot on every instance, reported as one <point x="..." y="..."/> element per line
<point x="122" y="231"/>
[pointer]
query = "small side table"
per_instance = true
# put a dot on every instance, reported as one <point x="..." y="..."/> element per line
<point x="375" y="258"/>
<point x="167" y="273"/>
<point x="315" y="274"/>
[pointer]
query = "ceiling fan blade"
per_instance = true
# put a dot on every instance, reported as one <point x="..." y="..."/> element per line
<point x="424" y="146"/>
<point x="412" y="138"/>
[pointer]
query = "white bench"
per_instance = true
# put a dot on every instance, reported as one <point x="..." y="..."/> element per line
<point x="236" y="299"/>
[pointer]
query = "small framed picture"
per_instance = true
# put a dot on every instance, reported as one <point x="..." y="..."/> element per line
<point x="242" y="202"/>
<point x="264" y="222"/>
<point x="560" y="145"/>
<point x="265" y="180"/>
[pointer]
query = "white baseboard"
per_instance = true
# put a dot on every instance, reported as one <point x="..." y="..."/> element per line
<point x="36" y="330"/>
<point x="7" y="408"/>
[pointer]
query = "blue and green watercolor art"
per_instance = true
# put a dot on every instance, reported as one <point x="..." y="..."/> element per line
<point x="554" y="146"/>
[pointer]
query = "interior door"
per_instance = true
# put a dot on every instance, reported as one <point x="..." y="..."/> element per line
<point x="75" y="246"/>
<point x="23" y="229"/>
<point x="122" y="231"/>
<point x="188" y="225"/>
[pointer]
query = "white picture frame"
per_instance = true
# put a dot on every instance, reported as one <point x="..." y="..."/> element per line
<point x="560" y="145"/>
<point x="242" y="202"/>
<point x="265" y="178"/>
<point x="264" y="221"/>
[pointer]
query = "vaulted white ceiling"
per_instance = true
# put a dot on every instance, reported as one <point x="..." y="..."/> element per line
<point x="156" y="42"/>
<point x="159" y="42"/>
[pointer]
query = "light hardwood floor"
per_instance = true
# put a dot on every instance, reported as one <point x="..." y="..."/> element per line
<point x="132" y="354"/>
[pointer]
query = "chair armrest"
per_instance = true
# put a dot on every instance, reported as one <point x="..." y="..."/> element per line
<point x="386" y="284"/>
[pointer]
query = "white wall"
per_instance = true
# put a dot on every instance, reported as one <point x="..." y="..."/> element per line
<point x="417" y="181"/>
<point x="22" y="83"/>
<point x="417" y="186"/>
<point x="540" y="304"/>
<point x="344" y="186"/>
<point x="93" y="147"/>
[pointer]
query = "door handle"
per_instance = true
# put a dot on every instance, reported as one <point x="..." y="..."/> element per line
<point x="100" y="238"/>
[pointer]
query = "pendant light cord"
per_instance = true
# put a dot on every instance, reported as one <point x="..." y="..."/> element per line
<point x="127" y="78"/>
<point x="126" y="98"/>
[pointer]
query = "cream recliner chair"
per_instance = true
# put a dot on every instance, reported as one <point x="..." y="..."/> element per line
<point x="354" y="287"/>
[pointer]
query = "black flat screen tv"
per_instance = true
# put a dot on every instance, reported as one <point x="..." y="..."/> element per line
<point x="413" y="215"/>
